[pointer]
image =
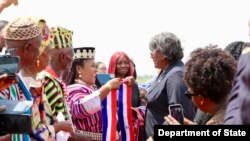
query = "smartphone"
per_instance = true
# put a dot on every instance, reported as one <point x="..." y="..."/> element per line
<point x="176" y="111"/>
<point x="102" y="79"/>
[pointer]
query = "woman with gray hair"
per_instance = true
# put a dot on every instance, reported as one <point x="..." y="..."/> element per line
<point x="168" y="88"/>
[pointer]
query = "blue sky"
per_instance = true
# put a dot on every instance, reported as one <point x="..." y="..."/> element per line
<point x="128" y="25"/>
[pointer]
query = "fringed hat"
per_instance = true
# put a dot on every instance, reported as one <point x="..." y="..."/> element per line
<point x="60" y="37"/>
<point x="21" y="29"/>
<point x="84" y="52"/>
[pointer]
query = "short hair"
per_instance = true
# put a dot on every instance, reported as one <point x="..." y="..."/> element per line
<point x="235" y="48"/>
<point x="168" y="44"/>
<point x="97" y="64"/>
<point x="209" y="72"/>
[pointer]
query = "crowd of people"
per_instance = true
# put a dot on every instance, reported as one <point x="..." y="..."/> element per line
<point x="60" y="80"/>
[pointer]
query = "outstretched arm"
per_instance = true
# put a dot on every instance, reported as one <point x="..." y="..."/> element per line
<point x="6" y="3"/>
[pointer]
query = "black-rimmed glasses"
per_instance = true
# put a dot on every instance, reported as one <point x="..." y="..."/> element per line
<point x="189" y="94"/>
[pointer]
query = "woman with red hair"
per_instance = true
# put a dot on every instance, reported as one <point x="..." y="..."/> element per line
<point x="122" y="67"/>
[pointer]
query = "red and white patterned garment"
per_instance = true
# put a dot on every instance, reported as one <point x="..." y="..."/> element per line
<point x="85" y="108"/>
<point x="138" y="122"/>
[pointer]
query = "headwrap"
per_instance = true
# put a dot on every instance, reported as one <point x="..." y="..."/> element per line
<point x="21" y="29"/>
<point x="44" y="29"/>
<point x="84" y="52"/>
<point x="60" y="37"/>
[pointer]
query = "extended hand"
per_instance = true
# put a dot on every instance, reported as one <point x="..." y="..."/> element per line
<point x="130" y="80"/>
<point x="6" y="3"/>
<point x="113" y="83"/>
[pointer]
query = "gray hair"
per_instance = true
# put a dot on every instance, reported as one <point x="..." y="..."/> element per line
<point x="168" y="44"/>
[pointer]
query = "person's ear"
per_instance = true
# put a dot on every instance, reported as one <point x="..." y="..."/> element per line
<point x="78" y="68"/>
<point x="27" y="48"/>
<point x="203" y="101"/>
<point x="62" y="57"/>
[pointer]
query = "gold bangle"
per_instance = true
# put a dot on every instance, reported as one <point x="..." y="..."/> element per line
<point x="108" y="86"/>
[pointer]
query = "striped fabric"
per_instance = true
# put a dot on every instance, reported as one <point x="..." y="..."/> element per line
<point x="40" y="130"/>
<point x="83" y="119"/>
<point x="124" y="114"/>
<point x="54" y="92"/>
<point x="12" y="93"/>
<point x="60" y="37"/>
<point x="109" y="117"/>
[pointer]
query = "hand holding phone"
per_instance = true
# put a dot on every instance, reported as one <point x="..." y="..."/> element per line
<point x="176" y="111"/>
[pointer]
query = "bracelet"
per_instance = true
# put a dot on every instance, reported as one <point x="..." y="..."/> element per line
<point x="108" y="86"/>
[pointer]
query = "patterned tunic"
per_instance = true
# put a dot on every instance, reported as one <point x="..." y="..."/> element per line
<point x="85" y="108"/>
<point x="53" y="89"/>
<point x="40" y="130"/>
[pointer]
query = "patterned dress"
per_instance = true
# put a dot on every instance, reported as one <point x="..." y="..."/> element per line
<point x="85" y="105"/>
<point x="85" y="108"/>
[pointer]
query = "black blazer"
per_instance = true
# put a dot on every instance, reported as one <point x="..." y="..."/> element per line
<point x="168" y="88"/>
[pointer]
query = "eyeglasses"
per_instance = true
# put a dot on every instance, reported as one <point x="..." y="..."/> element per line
<point x="154" y="52"/>
<point x="189" y="94"/>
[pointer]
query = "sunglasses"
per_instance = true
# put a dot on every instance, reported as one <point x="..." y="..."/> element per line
<point x="189" y="94"/>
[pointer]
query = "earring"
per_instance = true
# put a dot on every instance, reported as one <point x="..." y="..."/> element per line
<point x="79" y="75"/>
<point x="37" y="62"/>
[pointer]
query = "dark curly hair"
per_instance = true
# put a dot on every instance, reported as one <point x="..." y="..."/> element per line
<point x="209" y="72"/>
<point x="235" y="48"/>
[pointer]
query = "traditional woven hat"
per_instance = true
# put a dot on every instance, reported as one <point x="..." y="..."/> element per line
<point x="21" y="29"/>
<point x="84" y="52"/>
<point x="60" y="37"/>
<point x="44" y="29"/>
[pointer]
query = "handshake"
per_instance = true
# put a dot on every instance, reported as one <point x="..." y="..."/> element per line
<point x="102" y="79"/>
